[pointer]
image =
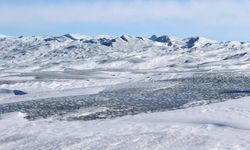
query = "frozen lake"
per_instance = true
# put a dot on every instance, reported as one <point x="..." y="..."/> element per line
<point x="135" y="98"/>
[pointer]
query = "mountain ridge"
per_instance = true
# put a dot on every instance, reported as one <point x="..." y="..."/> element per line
<point x="130" y="52"/>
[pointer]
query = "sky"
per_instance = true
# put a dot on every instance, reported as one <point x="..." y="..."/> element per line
<point x="215" y="19"/>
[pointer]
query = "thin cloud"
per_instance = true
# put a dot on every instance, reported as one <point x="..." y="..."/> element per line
<point x="205" y="12"/>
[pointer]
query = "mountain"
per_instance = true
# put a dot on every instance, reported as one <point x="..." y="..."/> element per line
<point x="41" y="53"/>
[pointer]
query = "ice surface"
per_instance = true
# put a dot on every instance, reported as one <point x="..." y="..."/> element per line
<point x="139" y="97"/>
<point x="216" y="126"/>
<point x="124" y="92"/>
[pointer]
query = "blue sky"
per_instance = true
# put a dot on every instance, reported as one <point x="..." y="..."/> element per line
<point x="214" y="19"/>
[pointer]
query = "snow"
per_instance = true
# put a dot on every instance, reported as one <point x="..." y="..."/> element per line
<point x="29" y="54"/>
<point x="3" y="36"/>
<point x="216" y="126"/>
<point x="134" y="92"/>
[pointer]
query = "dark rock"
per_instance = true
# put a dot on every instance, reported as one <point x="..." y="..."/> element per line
<point x="161" y="39"/>
<point x="124" y="38"/>
<point x="72" y="47"/>
<point x="18" y="92"/>
<point x="191" y="42"/>
<point x="153" y="37"/>
<point x="235" y="56"/>
<point x="140" y="38"/>
<point x="89" y="41"/>
<point x="70" y="37"/>
<point x="106" y="42"/>
<point x="51" y="39"/>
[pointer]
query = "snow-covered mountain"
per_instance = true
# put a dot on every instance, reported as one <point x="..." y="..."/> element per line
<point x="137" y="86"/>
<point x="41" y="53"/>
<point x="52" y="63"/>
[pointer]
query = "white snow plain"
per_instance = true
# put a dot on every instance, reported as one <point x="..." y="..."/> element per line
<point x="216" y="126"/>
<point x="54" y="68"/>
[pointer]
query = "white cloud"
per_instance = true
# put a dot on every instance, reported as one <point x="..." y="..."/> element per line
<point x="211" y="13"/>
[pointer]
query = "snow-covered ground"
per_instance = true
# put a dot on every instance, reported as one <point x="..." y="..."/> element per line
<point x="46" y="63"/>
<point x="217" y="126"/>
<point x="104" y="92"/>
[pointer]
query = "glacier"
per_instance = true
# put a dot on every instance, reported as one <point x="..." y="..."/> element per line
<point x="123" y="92"/>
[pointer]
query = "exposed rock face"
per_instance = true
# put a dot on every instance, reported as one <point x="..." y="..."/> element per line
<point x="161" y="39"/>
<point x="106" y="42"/>
<point x="191" y="42"/>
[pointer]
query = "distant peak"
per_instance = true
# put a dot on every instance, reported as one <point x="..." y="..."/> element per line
<point x="70" y="36"/>
<point x="125" y="37"/>
<point x="161" y="39"/>
<point x="193" y="39"/>
<point x="153" y="37"/>
<point x="190" y="42"/>
<point x="196" y="42"/>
